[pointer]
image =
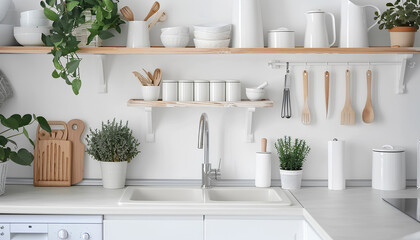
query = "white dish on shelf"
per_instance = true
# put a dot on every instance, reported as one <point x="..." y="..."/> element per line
<point x="34" y="22"/>
<point x="213" y="28"/>
<point x="212" y="36"/>
<point x="199" y="43"/>
<point x="6" y="35"/>
<point x="32" y="14"/>
<point x="175" y="41"/>
<point x="176" y="30"/>
<point x="30" y="36"/>
<point x="255" y="94"/>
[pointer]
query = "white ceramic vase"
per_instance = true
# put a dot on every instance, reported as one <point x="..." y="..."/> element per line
<point x="316" y="34"/>
<point x="247" y="24"/>
<point x="138" y="34"/>
<point x="113" y="174"/>
<point x="291" y="179"/>
<point x="3" y="174"/>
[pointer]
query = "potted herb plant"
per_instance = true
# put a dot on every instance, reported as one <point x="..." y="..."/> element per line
<point x="402" y="19"/>
<point x="291" y="156"/>
<point x="113" y="146"/>
<point x="12" y="127"/>
<point x="69" y="15"/>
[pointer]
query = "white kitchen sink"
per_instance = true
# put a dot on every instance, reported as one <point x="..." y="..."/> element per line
<point x="213" y="196"/>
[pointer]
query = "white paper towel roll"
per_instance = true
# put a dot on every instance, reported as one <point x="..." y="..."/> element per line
<point x="263" y="169"/>
<point x="336" y="179"/>
<point x="418" y="164"/>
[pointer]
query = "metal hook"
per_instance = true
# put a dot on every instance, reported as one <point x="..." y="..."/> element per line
<point x="369" y="66"/>
<point x="287" y="67"/>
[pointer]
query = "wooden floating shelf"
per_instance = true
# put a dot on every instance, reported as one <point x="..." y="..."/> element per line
<point x="192" y="50"/>
<point x="242" y="104"/>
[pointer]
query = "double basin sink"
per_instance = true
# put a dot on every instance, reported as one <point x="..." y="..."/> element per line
<point x="212" y="196"/>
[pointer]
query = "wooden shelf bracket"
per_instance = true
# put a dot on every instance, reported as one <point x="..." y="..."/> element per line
<point x="249" y="137"/>
<point x="150" y="137"/>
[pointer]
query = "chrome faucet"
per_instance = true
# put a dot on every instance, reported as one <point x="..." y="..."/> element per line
<point x="207" y="173"/>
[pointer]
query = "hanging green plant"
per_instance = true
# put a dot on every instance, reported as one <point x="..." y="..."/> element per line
<point x="67" y="15"/>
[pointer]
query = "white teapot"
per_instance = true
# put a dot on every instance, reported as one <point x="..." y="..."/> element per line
<point x="316" y="35"/>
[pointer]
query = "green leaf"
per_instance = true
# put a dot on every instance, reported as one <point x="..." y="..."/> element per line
<point x="50" y="14"/>
<point x="22" y="157"/>
<point x="76" y="85"/>
<point x="72" y="65"/>
<point x="44" y="124"/>
<point x="3" y="141"/>
<point x="10" y="123"/>
<point x="57" y="65"/>
<point x="389" y="4"/>
<point x="99" y="15"/>
<point x="109" y="5"/>
<point x="26" y="119"/>
<point x="71" y="5"/>
<point x="55" y="74"/>
<point x="50" y="2"/>
<point x="105" y="35"/>
<point x="25" y="132"/>
<point x="42" y="4"/>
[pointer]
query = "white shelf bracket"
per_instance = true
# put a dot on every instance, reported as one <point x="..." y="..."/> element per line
<point x="400" y="84"/>
<point x="249" y="137"/>
<point x="102" y="83"/>
<point x="150" y="137"/>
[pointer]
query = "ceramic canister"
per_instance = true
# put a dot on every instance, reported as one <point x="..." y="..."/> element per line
<point x="185" y="90"/>
<point x="388" y="168"/>
<point x="281" y="38"/>
<point x="201" y="91"/>
<point x="170" y="90"/>
<point x="217" y="91"/>
<point x="233" y="91"/>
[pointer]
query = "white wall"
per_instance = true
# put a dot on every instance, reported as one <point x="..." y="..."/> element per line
<point x="174" y="154"/>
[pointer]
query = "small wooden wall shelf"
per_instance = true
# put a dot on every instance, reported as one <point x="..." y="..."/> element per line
<point x="192" y="50"/>
<point x="251" y="106"/>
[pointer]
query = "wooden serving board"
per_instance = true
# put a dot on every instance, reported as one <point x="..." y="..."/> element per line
<point x="75" y="128"/>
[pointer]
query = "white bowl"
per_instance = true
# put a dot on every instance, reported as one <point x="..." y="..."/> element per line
<point x="213" y="28"/>
<point x="175" y="41"/>
<point x="212" y="36"/>
<point x="4" y="8"/>
<point x="6" y="35"/>
<point x="176" y="30"/>
<point x="34" y="22"/>
<point x="151" y="93"/>
<point x="39" y="29"/>
<point x="255" y="94"/>
<point x="32" y="14"/>
<point x="30" y="36"/>
<point x="199" y="43"/>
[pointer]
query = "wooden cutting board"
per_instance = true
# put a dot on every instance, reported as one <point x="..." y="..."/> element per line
<point x="75" y="128"/>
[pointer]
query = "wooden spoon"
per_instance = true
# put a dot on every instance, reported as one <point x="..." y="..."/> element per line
<point x="153" y="10"/>
<point x="327" y="92"/>
<point x="157" y="77"/>
<point x="149" y="77"/>
<point x="160" y="17"/>
<point x="348" y="116"/>
<point x="141" y="78"/>
<point x="127" y="13"/>
<point x="368" y="115"/>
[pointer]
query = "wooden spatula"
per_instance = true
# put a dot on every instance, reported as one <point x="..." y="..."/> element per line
<point x="153" y="10"/>
<point x="327" y="92"/>
<point x="348" y="116"/>
<point x="306" y="114"/>
<point x="368" y="115"/>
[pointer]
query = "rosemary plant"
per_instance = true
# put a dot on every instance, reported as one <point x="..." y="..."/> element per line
<point x="291" y="155"/>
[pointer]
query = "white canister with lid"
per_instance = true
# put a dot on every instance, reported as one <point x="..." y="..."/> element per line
<point x="170" y="90"/>
<point x="233" y="91"/>
<point x="201" y="91"/>
<point x="217" y="91"/>
<point x="388" y="168"/>
<point x="281" y="38"/>
<point x="185" y="90"/>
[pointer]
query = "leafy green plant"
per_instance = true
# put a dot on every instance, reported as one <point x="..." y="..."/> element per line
<point x="113" y="143"/>
<point x="400" y="14"/>
<point x="17" y="123"/>
<point x="67" y="15"/>
<point x="291" y="156"/>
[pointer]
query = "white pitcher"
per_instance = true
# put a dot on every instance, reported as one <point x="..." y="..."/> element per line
<point x="247" y="24"/>
<point x="316" y="35"/>
<point x="354" y="30"/>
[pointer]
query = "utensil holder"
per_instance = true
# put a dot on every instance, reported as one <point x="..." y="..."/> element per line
<point x="138" y="35"/>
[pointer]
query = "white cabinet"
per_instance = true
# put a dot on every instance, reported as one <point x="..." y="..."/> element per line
<point x="154" y="228"/>
<point x="252" y="228"/>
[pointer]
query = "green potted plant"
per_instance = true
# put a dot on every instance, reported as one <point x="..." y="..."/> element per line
<point x="291" y="156"/>
<point x="402" y="19"/>
<point x="113" y="146"/>
<point x="69" y="15"/>
<point x="12" y="127"/>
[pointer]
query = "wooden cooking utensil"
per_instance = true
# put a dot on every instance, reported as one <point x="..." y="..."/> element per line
<point x="160" y="17"/>
<point x="157" y="77"/>
<point x="75" y="130"/>
<point x="127" y="13"/>
<point x="264" y="145"/>
<point x="149" y="77"/>
<point x="327" y="92"/>
<point x="153" y="10"/>
<point x="348" y="116"/>
<point x="141" y="79"/>
<point x="306" y="114"/>
<point x="368" y="115"/>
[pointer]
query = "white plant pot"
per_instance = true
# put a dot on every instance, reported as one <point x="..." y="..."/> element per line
<point x="3" y="174"/>
<point x="291" y="179"/>
<point x="151" y="93"/>
<point x="113" y="174"/>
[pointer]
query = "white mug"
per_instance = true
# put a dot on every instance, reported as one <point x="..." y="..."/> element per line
<point x="138" y="34"/>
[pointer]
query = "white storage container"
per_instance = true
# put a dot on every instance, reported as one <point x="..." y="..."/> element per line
<point x="233" y="91"/>
<point x="217" y="91"/>
<point x="185" y="90"/>
<point x="169" y="90"/>
<point x="201" y="91"/>
<point x="281" y="38"/>
<point x="388" y="168"/>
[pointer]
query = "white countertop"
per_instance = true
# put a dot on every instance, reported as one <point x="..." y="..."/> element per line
<point x="355" y="213"/>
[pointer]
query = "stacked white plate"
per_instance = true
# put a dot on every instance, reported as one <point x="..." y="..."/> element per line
<point x="32" y="25"/>
<point x="175" y="37"/>
<point x="212" y="36"/>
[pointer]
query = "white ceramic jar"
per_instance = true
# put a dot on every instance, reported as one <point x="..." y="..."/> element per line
<point x="185" y="90"/>
<point x="388" y="168"/>
<point x="281" y="38"/>
<point x="233" y="91"/>
<point x="170" y="90"/>
<point x="217" y="91"/>
<point x="201" y="91"/>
